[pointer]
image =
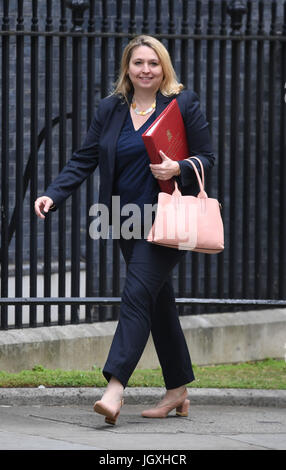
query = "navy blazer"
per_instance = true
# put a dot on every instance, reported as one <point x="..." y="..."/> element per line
<point x="99" y="147"/>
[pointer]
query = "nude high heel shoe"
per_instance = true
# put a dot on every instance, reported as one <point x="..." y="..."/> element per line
<point x="183" y="410"/>
<point x="110" y="418"/>
<point x="182" y="405"/>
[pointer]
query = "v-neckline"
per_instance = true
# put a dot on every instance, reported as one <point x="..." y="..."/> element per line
<point x="137" y="130"/>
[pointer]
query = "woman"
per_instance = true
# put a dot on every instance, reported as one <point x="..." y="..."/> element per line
<point x="146" y="85"/>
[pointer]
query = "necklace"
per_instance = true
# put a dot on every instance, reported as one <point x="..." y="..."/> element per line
<point x="143" y="113"/>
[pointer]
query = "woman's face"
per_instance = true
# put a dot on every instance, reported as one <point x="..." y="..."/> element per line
<point x="145" y="70"/>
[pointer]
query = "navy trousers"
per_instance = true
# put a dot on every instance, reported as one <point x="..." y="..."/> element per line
<point x="148" y="305"/>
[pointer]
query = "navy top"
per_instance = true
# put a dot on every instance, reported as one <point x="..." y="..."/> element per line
<point x="133" y="181"/>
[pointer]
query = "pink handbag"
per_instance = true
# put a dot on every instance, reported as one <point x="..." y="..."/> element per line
<point x="188" y="222"/>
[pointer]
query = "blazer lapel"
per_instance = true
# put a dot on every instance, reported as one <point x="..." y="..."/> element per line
<point x="161" y="102"/>
<point x="115" y="126"/>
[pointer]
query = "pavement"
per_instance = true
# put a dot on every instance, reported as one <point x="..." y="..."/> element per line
<point x="219" y="419"/>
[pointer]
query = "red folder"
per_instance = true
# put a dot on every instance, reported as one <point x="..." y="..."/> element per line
<point x="167" y="133"/>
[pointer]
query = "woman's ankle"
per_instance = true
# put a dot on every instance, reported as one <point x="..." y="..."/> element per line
<point x="175" y="392"/>
<point x="114" y="390"/>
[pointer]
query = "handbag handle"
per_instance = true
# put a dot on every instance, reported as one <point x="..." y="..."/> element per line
<point x="201" y="181"/>
<point x="202" y="169"/>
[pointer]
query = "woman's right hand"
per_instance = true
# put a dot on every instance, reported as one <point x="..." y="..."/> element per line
<point x="43" y="204"/>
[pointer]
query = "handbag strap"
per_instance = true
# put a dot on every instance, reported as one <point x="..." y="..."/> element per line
<point x="202" y="169"/>
<point x="201" y="181"/>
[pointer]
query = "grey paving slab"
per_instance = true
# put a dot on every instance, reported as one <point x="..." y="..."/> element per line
<point x="213" y="427"/>
<point x="20" y="441"/>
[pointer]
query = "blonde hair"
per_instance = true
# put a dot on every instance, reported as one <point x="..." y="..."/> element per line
<point x="170" y="84"/>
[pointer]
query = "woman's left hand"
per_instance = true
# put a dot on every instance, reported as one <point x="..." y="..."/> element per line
<point x="165" y="170"/>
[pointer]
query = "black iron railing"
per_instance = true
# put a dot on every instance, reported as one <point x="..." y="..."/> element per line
<point x="57" y="60"/>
